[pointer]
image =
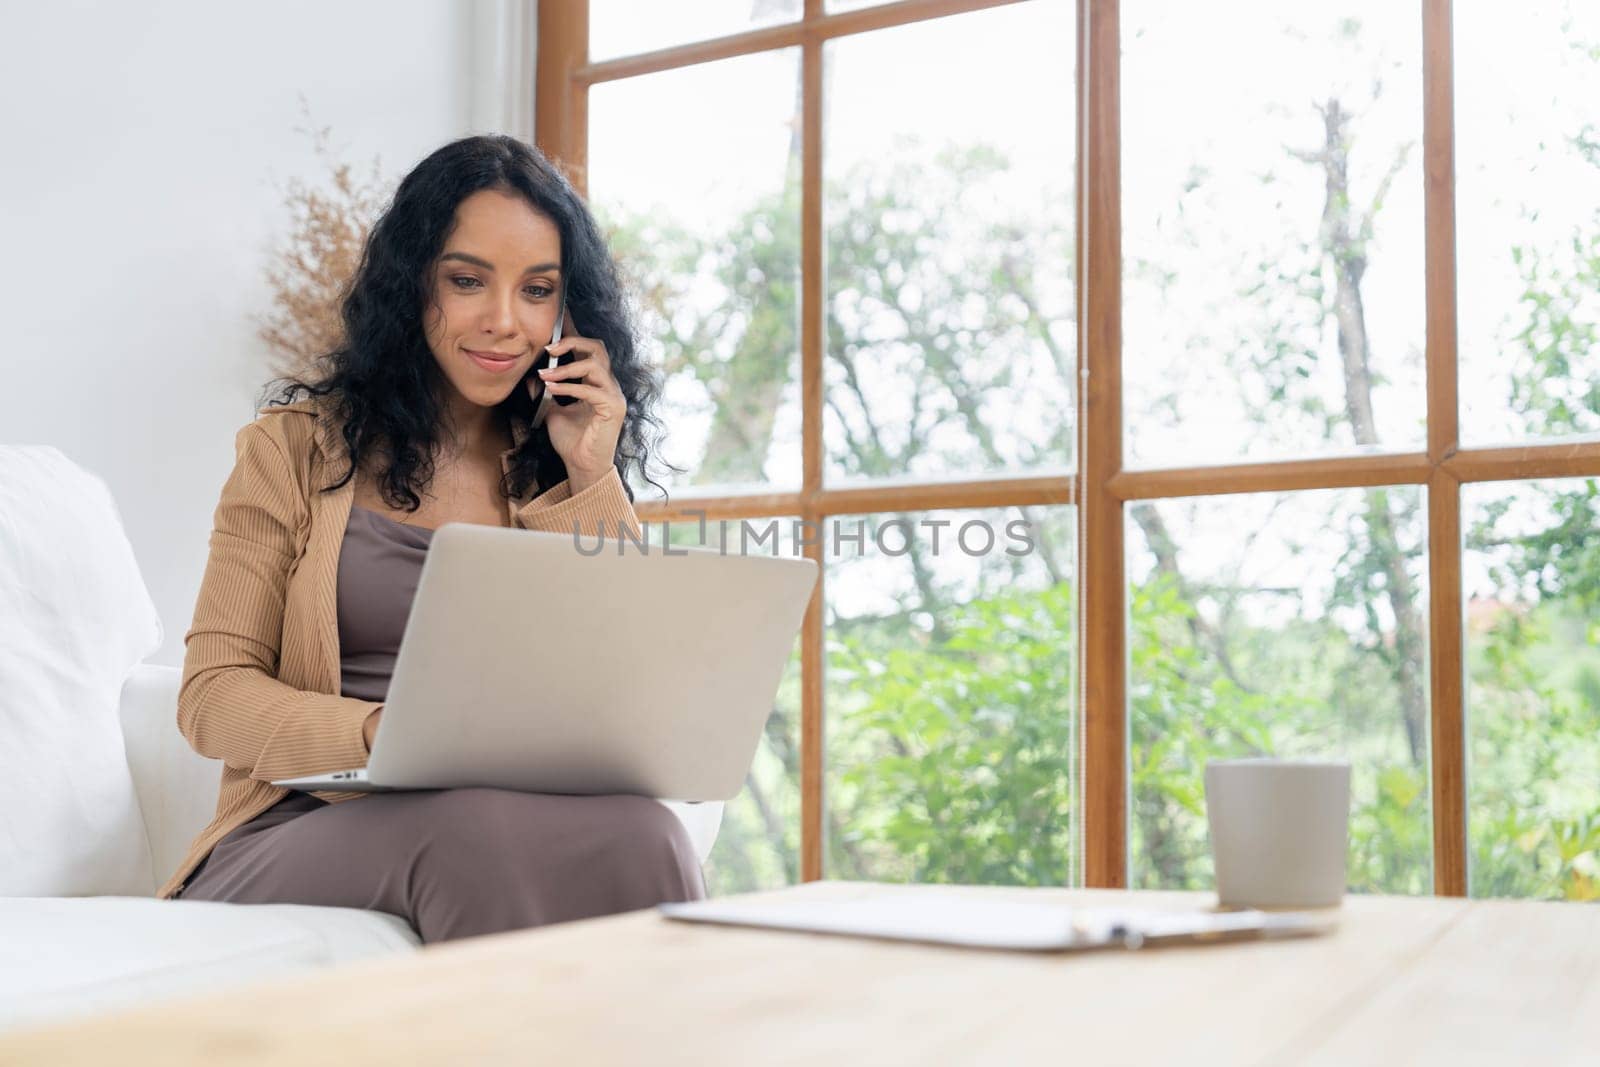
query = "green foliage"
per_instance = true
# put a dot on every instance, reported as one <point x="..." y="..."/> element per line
<point x="1555" y="386"/>
<point x="1534" y="673"/>
<point x="952" y="743"/>
<point x="957" y="757"/>
<point x="1535" y="758"/>
<point x="928" y="266"/>
<point x="1185" y="710"/>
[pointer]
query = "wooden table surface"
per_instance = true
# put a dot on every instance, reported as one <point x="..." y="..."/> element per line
<point x="1403" y="980"/>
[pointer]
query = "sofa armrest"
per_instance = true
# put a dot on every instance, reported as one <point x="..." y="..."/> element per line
<point x="701" y="819"/>
<point x="177" y="787"/>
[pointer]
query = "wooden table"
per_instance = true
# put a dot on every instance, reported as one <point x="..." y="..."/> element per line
<point x="1403" y="980"/>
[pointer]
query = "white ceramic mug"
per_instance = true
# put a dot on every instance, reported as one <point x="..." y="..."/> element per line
<point x="1280" y="831"/>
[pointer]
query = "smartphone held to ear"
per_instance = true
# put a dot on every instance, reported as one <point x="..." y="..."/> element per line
<point x="543" y="360"/>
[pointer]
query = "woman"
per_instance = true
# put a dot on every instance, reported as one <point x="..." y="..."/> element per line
<point x="422" y="416"/>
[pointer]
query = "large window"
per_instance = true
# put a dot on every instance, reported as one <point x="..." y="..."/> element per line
<point x="878" y="248"/>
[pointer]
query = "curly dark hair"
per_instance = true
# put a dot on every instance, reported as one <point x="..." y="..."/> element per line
<point x="383" y="379"/>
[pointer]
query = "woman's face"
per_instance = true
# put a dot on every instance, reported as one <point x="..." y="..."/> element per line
<point x="496" y="291"/>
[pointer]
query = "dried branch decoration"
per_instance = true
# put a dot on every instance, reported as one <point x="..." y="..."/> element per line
<point x="311" y="269"/>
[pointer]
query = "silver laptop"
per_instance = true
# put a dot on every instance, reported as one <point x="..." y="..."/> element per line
<point x="549" y="663"/>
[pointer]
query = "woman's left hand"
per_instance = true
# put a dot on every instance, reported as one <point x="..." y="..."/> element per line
<point x="584" y="434"/>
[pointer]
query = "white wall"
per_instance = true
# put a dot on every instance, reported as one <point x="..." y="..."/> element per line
<point x="144" y="145"/>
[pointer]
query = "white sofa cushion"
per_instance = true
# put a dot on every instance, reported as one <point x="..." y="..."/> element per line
<point x="60" y="958"/>
<point x="75" y="617"/>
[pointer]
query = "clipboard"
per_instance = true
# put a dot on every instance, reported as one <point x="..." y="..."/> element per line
<point x="974" y="922"/>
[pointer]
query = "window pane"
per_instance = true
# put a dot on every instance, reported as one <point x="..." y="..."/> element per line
<point x="950" y="730"/>
<point x="626" y="27"/>
<point x="1290" y="625"/>
<point x="1531" y="579"/>
<point x="1527" y="122"/>
<point x="949" y="201"/>
<point x="711" y="238"/>
<point x="758" y="844"/>
<point x="1272" y="251"/>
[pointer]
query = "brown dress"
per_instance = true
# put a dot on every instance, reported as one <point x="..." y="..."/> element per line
<point x="455" y="862"/>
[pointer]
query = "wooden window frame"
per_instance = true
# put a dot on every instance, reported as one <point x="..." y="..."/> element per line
<point x="1102" y="485"/>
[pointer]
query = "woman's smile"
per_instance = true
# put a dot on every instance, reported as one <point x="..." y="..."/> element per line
<point x="493" y="362"/>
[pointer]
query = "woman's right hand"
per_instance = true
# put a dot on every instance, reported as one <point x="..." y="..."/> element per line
<point x="370" y="728"/>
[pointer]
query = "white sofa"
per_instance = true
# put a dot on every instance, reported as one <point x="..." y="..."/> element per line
<point x="100" y="795"/>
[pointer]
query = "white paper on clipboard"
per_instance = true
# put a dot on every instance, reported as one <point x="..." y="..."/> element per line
<point x="975" y="922"/>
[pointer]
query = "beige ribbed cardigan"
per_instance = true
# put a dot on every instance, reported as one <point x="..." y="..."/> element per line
<point x="261" y="669"/>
